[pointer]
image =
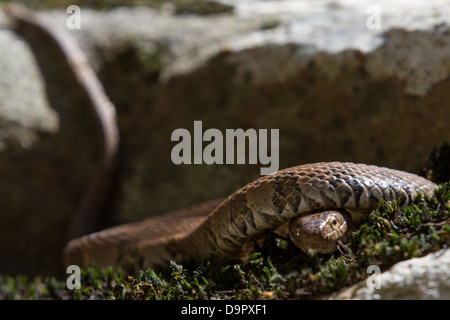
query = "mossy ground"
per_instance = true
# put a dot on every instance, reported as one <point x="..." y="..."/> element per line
<point x="278" y="270"/>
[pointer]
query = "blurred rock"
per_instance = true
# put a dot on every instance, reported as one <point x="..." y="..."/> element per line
<point x="50" y="149"/>
<point x="426" y="278"/>
<point x="21" y="86"/>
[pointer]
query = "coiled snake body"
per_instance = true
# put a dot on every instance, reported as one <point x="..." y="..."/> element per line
<point x="316" y="205"/>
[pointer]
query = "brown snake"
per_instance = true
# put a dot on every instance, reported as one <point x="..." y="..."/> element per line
<point x="315" y="205"/>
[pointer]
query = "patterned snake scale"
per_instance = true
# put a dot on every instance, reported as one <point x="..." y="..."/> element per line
<point x="232" y="226"/>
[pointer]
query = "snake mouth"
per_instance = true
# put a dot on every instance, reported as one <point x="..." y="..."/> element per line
<point x="320" y="231"/>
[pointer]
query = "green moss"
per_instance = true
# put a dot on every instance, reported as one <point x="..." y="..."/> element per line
<point x="277" y="270"/>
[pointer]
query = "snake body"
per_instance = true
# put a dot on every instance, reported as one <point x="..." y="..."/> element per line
<point x="308" y="198"/>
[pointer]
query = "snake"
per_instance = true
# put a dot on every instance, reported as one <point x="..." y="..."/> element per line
<point x="316" y="206"/>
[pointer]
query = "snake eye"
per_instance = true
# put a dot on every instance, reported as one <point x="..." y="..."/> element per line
<point x="334" y="223"/>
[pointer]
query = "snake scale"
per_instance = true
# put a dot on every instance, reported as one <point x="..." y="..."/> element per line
<point x="315" y="205"/>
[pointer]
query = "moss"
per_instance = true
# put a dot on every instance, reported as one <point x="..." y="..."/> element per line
<point x="277" y="270"/>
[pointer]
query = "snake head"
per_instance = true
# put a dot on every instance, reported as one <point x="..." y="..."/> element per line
<point x="320" y="231"/>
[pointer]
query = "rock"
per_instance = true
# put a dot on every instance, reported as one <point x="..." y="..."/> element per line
<point x="50" y="146"/>
<point x="422" y="278"/>
<point x="22" y="86"/>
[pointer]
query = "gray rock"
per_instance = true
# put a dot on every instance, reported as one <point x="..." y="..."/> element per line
<point x="411" y="51"/>
<point x="24" y="109"/>
<point x="422" y="278"/>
